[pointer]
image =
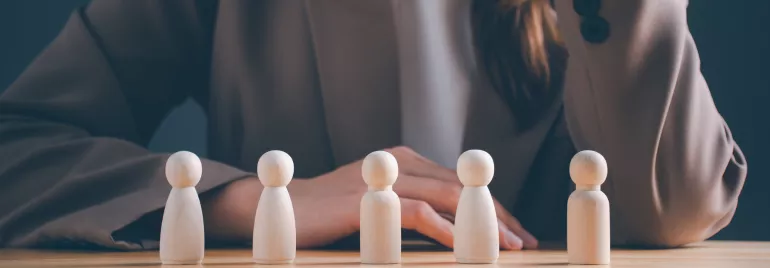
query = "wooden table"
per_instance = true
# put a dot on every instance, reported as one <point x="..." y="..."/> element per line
<point x="707" y="254"/>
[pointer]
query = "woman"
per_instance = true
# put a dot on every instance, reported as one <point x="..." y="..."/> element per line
<point x="331" y="81"/>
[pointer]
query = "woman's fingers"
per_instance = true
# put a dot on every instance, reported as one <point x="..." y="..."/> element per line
<point x="508" y="220"/>
<point x="440" y="195"/>
<point x="444" y="196"/>
<point x="428" y="204"/>
<point x="414" y="164"/>
<point x="421" y="217"/>
<point x="438" y="186"/>
<point x="508" y="240"/>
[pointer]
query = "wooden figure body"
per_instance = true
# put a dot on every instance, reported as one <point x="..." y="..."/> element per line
<point x="275" y="235"/>
<point x="588" y="211"/>
<point x="476" y="235"/>
<point x="182" y="234"/>
<point x="380" y="211"/>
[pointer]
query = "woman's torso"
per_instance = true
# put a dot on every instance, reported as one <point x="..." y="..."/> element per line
<point x="326" y="81"/>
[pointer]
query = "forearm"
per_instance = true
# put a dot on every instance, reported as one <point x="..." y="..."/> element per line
<point x="64" y="187"/>
<point x="640" y="99"/>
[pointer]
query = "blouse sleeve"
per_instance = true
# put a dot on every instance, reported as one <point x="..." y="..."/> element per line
<point x="634" y="92"/>
<point x="74" y="169"/>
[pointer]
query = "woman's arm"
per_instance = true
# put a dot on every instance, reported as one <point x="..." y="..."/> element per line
<point x="73" y="127"/>
<point x="636" y="95"/>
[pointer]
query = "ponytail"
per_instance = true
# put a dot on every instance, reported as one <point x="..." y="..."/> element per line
<point x="520" y="50"/>
<point x="537" y="28"/>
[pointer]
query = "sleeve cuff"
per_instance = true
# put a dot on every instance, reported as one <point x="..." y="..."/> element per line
<point x="97" y="225"/>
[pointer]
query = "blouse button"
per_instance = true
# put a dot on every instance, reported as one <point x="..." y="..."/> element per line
<point x="595" y="29"/>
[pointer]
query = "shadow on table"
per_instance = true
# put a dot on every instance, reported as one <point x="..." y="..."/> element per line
<point x="412" y="241"/>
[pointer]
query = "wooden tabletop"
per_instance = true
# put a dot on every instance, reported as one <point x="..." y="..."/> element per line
<point x="707" y="254"/>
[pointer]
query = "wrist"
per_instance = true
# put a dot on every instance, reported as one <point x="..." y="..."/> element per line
<point x="229" y="210"/>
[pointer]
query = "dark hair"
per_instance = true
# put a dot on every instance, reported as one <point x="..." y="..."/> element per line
<point x="519" y="49"/>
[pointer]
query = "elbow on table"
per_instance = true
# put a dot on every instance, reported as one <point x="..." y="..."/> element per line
<point x="675" y="231"/>
<point x="691" y="209"/>
<point x="694" y="201"/>
<point x="688" y="219"/>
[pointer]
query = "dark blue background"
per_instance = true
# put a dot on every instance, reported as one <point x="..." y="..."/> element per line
<point x="733" y="39"/>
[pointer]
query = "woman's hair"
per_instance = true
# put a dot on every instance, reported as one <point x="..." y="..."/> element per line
<point x="519" y="49"/>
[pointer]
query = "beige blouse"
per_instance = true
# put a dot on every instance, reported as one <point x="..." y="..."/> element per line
<point x="437" y="70"/>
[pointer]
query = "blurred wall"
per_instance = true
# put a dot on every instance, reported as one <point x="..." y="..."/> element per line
<point x="733" y="39"/>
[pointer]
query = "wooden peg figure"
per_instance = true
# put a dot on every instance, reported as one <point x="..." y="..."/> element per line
<point x="588" y="211"/>
<point x="181" y="231"/>
<point x="275" y="233"/>
<point x="476" y="237"/>
<point x="380" y="211"/>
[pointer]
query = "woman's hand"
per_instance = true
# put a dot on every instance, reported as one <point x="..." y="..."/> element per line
<point x="327" y="207"/>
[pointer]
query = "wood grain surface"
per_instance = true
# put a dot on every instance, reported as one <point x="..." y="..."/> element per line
<point x="708" y="254"/>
